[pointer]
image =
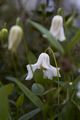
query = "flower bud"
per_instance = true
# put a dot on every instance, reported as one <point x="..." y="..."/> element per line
<point x="4" y="34"/>
<point x="19" y="22"/>
<point x="15" y="37"/>
<point x="60" y="11"/>
<point x="57" y="29"/>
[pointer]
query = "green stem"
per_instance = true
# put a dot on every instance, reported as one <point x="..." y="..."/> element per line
<point x="57" y="71"/>
<point x="14" y="64"/>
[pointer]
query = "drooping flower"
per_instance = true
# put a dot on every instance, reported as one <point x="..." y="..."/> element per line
<point x="50" y="6"/>
<point x="43" y="63"/>
<point x="57" y="29"/>
<point x="4" y="34"/>
<point x="15" y="37"/>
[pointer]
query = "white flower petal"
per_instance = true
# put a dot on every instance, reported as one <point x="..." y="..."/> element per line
<point x="30" y="73"/>
<point x="48" y="74"/>
<point x="31" y="69"/>
<point x="57" y="29"/>
<point x="62" y="36"/>
<point x="43" y="61"/>
<point x="51" y="72"/>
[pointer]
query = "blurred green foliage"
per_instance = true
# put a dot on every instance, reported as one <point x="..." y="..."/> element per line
<point x="40" y="98"/>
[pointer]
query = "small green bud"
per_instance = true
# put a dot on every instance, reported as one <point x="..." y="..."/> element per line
<point x="60" y="12"/>
<point x="19" y="22"/>
<point x="4" y="34"/>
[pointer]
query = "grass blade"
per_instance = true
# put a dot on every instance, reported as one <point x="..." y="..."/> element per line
<point x="32" y="97"/>
<point x="4" y="107"/>
<point x="29" y="115"/>
<point x="73" y="42"/>
<point x="50" y="38"/>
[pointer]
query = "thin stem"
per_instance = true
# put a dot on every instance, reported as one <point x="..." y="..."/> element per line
<point x="17" y="62"/>
<point x="14" y="65"/>
<point x="75" y="104"/>
<point x="57" y="71"/>
<point x="48" y="91"/>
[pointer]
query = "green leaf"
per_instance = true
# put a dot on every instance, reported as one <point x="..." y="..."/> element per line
<point x="31" y="57"/>
<point x="4" y="107"/>
<point x="38" y="89"/>
<point x="50" y="38"/>
<point x="73" y="42"/>
<point x="9" y="89"/>
<point x="20" y="101"/>
<point x="29" y="115"/>
<point x="33" y="98"/>
<point x="69" y="112"/>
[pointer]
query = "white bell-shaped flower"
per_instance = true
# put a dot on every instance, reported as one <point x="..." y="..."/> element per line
<point x="15" y="37"/>
<point x="57" y="29"/>
<point x="43" y="63"/>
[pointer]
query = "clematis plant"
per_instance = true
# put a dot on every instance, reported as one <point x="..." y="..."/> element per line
<point x="15" y="37"/>
<point x="43" y="63"/>
<point x="57" y="29"/>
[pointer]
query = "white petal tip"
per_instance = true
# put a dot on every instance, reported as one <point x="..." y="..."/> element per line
<point x="27" y="79"/>
<point x="62" y="40"/>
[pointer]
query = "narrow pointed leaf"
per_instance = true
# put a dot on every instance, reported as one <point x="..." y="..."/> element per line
<point x="32" y="97"/>
<point x="69" y="112"/>
<point x="50" y="38"/>
<point x="20" y="101"/>
<point x="73" y="42"/>
<point x="31" y="57"/>
<point x="9" y="89"/>
<point x="29" y="115"/>
<point x="4" y="107"/>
